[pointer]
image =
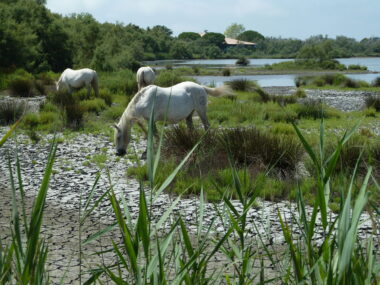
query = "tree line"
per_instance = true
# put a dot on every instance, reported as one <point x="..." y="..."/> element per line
<point x="35" y="39"/>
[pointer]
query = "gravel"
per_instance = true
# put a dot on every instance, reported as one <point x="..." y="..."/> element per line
<point x="79" y="161"/>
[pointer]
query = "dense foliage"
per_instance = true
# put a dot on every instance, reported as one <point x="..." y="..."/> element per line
<point x="37" y="40"/>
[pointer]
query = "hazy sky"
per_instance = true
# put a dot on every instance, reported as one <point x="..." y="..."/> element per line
<point x="285" y="18"/>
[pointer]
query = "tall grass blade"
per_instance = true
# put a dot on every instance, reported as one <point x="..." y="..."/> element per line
<point x="9" y="133"/>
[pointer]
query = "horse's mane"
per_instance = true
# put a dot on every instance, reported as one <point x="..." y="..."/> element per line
<point x="126" y="118"/>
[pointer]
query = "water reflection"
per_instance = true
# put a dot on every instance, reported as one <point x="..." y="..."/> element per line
<point x="272" y="80"/>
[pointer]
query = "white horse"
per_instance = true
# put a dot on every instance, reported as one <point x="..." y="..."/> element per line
<point x="171" y="104"/>
<point x="145" y="76"/>
<point x="74" y="79"/>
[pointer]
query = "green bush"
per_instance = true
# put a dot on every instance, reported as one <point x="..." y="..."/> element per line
<point x="315" y="109"/>
<point x="50" y="121"/>
<point x="21" y="87"/>
<point x="62" y="98"/>
<point x="373" y="101"/>
<point x="246" y="146"/>
<point x="376" y="82"/>
<point x="40" y="87"/>
<point x="11" y="111"/>
<point x="113" y="113"/>
<point x="106" y="95"/>
<point x="300" y="93"/>
<point x="243" y="61"/>
<point x="241" y="85"/>
<point x="357" y="67"/>
<point x="167" y="78"/>
<point x="47" y="78"/>
<point x="74" y="114"/>
<point x="95" y="105"/>
<point x="31" y="121"/>
<point x="226" y="72"/>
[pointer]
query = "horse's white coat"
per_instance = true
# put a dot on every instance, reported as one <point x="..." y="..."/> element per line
<point x="171" y="104"/>
<point x="75" y="79"/>
<point x="145" y="76"/>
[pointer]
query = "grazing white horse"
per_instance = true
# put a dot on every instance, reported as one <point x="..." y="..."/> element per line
<point x="74" y="79"/>
<point x="145" y="76"/>
<point x="171" y="104"/>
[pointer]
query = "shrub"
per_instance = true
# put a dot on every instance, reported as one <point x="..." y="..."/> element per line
<point x="30" y="123"/>
<point x="243" y="61"/>
<point x="74" y="115"/>
<point x="11" y="111"/>
<point x="195" y="69"/>
<point x="106" y="95"/>
<point x="264" y="96"/>
<point x="22" y="87"/>
<point x="47" y="78"/>
<point x="285" y="115"/>
<point x="376" y="82"/>
<point x="113" y="113"/>
<point x="62" y="98"/>
<point x="246" y="146"/>
<point x="50" y="121"/>
<point x="40" y="87"/>
<point x="49" y="107"/>
<point x="131" y="86"/>
<point x="167" y="78"/>
<point x="95" y="105"/>
<point x="350" y="83"/>
<point x="226" y="72"/>
<point x="240" y="84"/>
<point x="251" y="145"/>
<point x="300" y="93"/>
<point x="373" y="101"/>
<point x="315" y="109"/>
<point x="357" y="67"/>
<point x="370" y="112"/>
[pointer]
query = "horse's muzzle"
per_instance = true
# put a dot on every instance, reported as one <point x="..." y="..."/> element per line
<point x="121" y="152"/>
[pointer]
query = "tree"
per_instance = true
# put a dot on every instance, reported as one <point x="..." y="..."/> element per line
<point x="251" y="36"/>
<point x="214" y="39"/>
<point x="234" y="30"/>
<point x="189" y="36"/>
<point x="179" y="50"/>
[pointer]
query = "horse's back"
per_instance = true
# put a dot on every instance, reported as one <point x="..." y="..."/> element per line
<point x="175" y="102"/>
<point x="78" y="78"/>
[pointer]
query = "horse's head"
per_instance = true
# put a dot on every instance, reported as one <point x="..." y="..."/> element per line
<point x="57" y="85"/>
<point x="121" y="140"/>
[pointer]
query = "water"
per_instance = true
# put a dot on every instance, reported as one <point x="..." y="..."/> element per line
<point x="257" y="62"/>
<point x="273" y="80"/>
<point x="372" y="63"/>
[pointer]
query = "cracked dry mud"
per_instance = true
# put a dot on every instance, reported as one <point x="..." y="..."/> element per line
<point x="75" y="171"/>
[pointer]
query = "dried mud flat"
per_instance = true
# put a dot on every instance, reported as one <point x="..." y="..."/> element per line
<point x="75" y="171"/>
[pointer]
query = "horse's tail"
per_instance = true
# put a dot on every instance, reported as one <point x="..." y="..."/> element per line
<point x="141" y="80"/>
<point x="95" y="84"/>
<point x="219" y="91"/>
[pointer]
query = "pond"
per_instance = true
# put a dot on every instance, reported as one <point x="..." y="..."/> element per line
<point x="273" y="80"/>
<point x="372" y="63"/>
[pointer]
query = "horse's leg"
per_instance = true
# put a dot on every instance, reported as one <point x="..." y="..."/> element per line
<point x="202" y="114"/>
<point x="189" y="121"/>
<point x="88" y="86"/>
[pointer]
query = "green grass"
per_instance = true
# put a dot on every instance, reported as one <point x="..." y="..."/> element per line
<point x="163" y="250"/>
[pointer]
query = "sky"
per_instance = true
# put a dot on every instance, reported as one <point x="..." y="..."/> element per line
<point x="273" y="18"/>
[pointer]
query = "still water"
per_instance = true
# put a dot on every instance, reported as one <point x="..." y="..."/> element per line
<point x="372" y="63"/>
<point x="273" y="80"/>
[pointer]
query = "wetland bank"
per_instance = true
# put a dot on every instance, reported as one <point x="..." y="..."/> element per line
<point x="283" y="188"/>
